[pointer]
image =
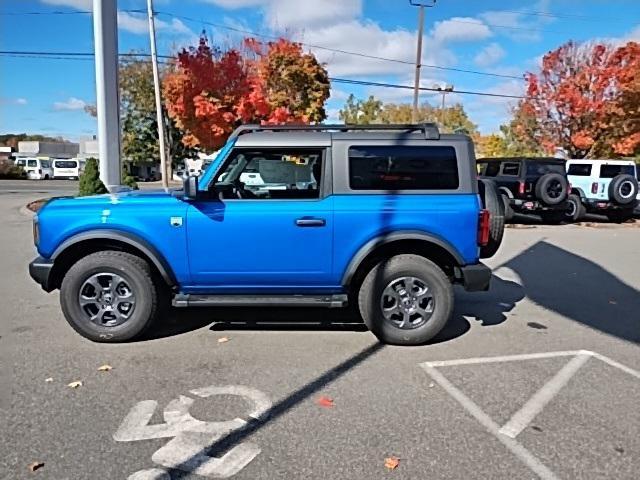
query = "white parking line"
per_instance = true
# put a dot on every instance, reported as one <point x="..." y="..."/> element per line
<point x="516" y="448"/>
<point x="519" y="421"/>
<point x="523" y="417"/>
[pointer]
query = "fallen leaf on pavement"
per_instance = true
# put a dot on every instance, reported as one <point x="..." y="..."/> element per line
<point x="75" y="384"/>
<point x="325" y="401"/>
<point x="431" y="385"/>
<point x="223" y="339"/>
<point x="48" y="380"/>
<point x="105" y="368"/>
<point x="35" y="466"/>
<point x="391" y="462"/>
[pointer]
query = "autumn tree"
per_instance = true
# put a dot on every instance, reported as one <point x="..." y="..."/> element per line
<point x="584" y="99"/>
<point x="360" y="112"/>
<point x="211" y="92"/>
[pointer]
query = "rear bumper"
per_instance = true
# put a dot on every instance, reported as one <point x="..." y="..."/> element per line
<point x="40" y="271"/>
<point x="595" y="205"/>
<point x="476" y="278"/>
<point x="530" y="206"/>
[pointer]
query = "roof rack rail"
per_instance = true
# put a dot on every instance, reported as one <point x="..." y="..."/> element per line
<point x="430" y="130"/>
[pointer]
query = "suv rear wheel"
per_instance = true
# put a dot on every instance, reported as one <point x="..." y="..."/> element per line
<point x="406" y="300"/>
<point x="575" y="209"/>
<point x="109" y="296"/>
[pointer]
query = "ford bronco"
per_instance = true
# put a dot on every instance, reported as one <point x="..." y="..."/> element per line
<point x="386" y="218"/>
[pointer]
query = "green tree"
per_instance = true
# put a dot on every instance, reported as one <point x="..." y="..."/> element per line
<point x="360" y="112"/>
<point x="451" y="119"/>
<point x="90" y="183"/>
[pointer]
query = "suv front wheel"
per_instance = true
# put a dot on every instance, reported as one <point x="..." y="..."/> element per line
<point x="406" y="300"/>
<point x="109" y="296"/>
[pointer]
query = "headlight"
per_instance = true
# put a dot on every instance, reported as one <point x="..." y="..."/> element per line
<point x="36" y="231"/>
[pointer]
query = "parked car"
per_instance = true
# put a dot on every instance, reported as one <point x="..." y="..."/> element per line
<point x="609" y="187"/>
<point x="36" y="168"/>
<point x="529" y="185"/>
<point x="67" y="168"/>
<point x="391" y="218"/>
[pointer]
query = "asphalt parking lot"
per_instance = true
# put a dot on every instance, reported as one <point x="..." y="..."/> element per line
<point x="538" y="378"/>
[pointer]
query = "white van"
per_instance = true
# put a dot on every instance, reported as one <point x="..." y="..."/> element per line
<point x="69" y="168"/>
<point x="36" y="168"/>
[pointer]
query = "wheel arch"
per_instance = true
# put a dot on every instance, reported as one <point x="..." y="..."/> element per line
<point x="85" y="243"/>
<point x="579" y="192"/>
<point x="429" y="246"/>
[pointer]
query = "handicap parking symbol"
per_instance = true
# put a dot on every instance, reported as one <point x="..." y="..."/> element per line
<point x="190" y="437"/>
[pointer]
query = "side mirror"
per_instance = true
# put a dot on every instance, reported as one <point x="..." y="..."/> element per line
<point x="190" y="187"/>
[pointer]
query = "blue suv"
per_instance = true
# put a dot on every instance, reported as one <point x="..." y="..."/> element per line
<point x="384" y="217"/>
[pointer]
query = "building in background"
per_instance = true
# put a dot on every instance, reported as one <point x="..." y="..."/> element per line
<point x="47" y="150"/>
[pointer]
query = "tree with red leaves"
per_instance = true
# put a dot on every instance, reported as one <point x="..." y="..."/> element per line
<point x="211" y="92"/>
<point x="583" y="100"/>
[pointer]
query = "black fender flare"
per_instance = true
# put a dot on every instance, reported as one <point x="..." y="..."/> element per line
<point x="130" y="239"/>
<point x="385" y="239"/>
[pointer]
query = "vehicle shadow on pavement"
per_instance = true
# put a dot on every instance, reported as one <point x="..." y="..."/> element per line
<point x="579" y="289"/>
<point x="489" y="308"/>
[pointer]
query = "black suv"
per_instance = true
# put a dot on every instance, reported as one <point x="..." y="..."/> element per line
<point x="529" y="185"/>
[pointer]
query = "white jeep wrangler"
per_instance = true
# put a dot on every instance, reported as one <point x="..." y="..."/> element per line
<point x="608" y="187"/>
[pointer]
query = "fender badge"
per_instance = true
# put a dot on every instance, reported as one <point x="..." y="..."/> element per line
<point x="176" y="221"/>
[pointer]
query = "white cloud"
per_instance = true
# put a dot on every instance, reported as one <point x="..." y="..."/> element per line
<point x="489" y="55"/>
<point x="139" y="24"/>
<point x="290" y="14"/>
<point x="13" y="101"/>
<point x="72" y="103"/>
<point x="77" y="4"/>
<point x="460" y="29"/>
<point x="519" y="26"/>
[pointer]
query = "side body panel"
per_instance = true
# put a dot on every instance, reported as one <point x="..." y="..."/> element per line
<point x="157" y="218"/>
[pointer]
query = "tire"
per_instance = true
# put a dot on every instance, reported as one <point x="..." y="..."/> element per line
<point x="492" y="203"/>
<point x="382" y="276"/>
<point x="623" y="189"/>
<point x="552" y="189"/>
<point x="620" y="216"/>
<point x="135" y="274"/>
<point x="575" y="209"/>
<point x="508" y="211"/>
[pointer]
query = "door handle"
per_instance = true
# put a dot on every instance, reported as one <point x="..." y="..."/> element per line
<point x="310" y="222"/>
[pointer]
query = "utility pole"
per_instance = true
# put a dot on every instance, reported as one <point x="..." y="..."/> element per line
<point x="105" y="37"/>
<point x="416" y="83"/>
<point x="156" y="84"/>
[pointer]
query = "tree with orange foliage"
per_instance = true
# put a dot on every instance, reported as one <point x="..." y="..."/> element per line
<point x="211" y="92"/>
<point x="582" y="100"/>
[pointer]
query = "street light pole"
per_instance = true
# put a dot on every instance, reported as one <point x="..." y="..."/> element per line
<point x="446" y="89"/>
<point x="416" y="83"/>
<point x="105" y="37"/>
<point x="156" y="85"/>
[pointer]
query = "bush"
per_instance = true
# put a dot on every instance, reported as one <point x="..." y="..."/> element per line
<point x="129" y="181"/>
<point x="90" y="183"/>
<point x="9" y="170"/>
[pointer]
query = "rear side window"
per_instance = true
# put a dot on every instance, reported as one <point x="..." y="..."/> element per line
<point x="610" y="171"/>
<point x="538" y="168"/>
<point x="580" y="169"/>
<point x="32" y="163"/>
<point x="46" y="164"/>
<point x="403" y="168"/>
<point x="509" y="168"/>
<point x="65" y="164"/>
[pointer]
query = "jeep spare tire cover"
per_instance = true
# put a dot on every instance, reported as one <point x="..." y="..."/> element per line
<point x="552" y="188"/>
<point x="492" y="202"/>
<point x="623" y="189"/>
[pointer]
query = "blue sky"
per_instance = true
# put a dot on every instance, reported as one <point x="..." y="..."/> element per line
<point x="502" y="37"/>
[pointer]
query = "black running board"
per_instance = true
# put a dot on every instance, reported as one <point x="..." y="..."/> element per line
<point x="327" y="301"/>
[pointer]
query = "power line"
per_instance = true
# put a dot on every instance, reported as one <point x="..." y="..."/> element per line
<point x="336" y="50"/>
<point x="89" y="56"/>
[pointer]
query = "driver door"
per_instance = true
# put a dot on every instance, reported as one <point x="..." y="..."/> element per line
<point x="272" y="232"/>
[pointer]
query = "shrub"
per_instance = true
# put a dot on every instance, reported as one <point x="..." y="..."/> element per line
<point x="90" y="183"/>
<point x="129" y="181"/>
<point x="9" y="170"/>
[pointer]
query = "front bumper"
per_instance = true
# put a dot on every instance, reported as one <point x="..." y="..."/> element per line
<point x="40" y="271"/>
<point x="476" y="278"/>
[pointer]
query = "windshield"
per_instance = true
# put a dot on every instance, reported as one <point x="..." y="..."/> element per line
<point x="65" y="164"/>
<point x="207" y="175"/>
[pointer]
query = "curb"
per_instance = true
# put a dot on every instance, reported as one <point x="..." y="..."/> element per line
<point x="24" y="211"/>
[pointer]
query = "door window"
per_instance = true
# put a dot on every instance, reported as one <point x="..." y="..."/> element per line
<point x="32" y="163"/>
<point x="273" y="174"/>
<point x="579" y="169"/>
